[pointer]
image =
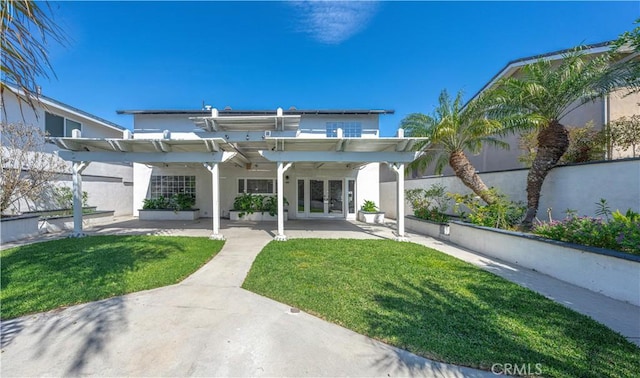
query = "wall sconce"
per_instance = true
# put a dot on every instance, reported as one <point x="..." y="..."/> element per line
<point x="286" y="179"/>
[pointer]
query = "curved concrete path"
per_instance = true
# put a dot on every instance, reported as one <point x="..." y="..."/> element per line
<point x="205" y="326"/>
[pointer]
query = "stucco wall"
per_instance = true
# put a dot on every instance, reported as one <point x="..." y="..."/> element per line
<point x="576" y="187"/>
<point x="366" y="183"/>
<point x="109" y="185"/>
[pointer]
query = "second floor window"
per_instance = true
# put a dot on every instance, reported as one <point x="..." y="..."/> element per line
<point x="349" y="129"/>
<point x="57" y="126"/>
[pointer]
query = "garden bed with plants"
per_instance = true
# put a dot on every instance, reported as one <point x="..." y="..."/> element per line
<point x="600" y="254"/>
<point x="177" y="207"/>
<point x="256" y="207"/>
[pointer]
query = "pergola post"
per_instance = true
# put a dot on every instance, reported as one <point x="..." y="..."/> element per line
<point x="282" y="168"/>
<point x="398" y="168"/>
<point x="76" y="169"/>
<point x="215" y="192"/>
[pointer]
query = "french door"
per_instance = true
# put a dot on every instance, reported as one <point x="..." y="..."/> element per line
<point x="321" y="198"/>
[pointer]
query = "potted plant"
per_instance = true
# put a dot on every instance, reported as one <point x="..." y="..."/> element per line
<point x="369" y="213"/>
<point x="179" y="206"/>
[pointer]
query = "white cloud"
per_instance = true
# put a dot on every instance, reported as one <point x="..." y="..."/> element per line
<point x="333" y="22"/>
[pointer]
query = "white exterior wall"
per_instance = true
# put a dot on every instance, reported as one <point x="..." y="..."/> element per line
<point x="316" y="125"/>
<point x="576" y="187"/>
<point x="152" y="126"/>
<point x="109" y="185"/>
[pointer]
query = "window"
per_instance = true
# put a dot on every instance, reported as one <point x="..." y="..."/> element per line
<point x="349" y="129"/>
<point x="167" y="186"/>
<point x="256" y="186"/>
<point x="57" y="126"/>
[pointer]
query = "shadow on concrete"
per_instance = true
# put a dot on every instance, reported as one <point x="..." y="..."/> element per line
<point x="93" y="325"/>
<point x="9" y="329"/>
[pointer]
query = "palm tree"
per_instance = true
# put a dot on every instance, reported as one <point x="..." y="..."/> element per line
<point x="545" y="92"/>
<point x="455" y="129"/>
<point x="25" y="30"/>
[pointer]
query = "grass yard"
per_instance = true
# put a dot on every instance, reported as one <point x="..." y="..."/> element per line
<point x="437" y="306"/>
<point x="44" y="276"/>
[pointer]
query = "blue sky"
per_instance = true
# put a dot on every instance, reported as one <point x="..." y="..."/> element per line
<point x="264" y="55"/>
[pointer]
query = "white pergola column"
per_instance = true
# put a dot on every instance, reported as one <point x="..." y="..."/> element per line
<point x="76" y="169"/>
<point x="282" y="168"/>
<point x="398" y="168"/>
<point x="215" y="192"/>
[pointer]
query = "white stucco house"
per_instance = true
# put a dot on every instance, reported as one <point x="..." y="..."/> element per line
<point x="109" y="185"/>
<point x="324" y="162"/>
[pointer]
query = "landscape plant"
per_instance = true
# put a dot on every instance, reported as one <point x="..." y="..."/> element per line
<point x="545" y="92"/>
<point x="429" y="204"/>
<point x="503" y="213"/>
<point x="625" y="133"/>
<point x="249" y="203"/>
<point x="177" y="202"/>
<point x="369" y="206"/>
<point x="28" y="170"/>
<point x="63" y="196"/>
<point x="27" y="30"/>
<point x="455" y="129"/>
<point x="612" y="230"/>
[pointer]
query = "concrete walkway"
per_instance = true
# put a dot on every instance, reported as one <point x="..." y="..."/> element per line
<point x="208" y="326"/>
<point x="205" y="326"/>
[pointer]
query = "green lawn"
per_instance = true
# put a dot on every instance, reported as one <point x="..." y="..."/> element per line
<point x="48" y="275"/>
<point x="437" y="306"/>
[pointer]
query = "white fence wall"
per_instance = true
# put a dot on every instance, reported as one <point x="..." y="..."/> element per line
<point x="576" y="187"/>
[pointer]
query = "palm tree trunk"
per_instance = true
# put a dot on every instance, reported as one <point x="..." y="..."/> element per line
<point x="553" y="141"/>
<point x="467" y="173"/>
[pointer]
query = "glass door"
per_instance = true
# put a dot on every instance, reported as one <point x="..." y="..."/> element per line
<point x="336" y="200"/>
<point x="317" y="197"/>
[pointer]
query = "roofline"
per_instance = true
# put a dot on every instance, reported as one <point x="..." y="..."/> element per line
<point x="262" y="112"/>
<point x="61" y="105"/>
<point x="594" y="48"/>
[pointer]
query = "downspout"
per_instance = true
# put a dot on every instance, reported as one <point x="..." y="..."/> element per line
<point x="605" y="126"/>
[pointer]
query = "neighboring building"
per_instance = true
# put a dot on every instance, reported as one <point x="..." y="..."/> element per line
<point x="109" y="186"/>
<point x="326" y="162"/>
<point x="598" y="113"/>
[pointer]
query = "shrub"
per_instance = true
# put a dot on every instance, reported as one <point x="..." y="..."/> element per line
<point x="617" y="231"/>
<point x="503" y="213"/>
<point x="177" y="202"/>
<point x="369" y="206"/>
<point x="430" y="204"/>
<point x="63" y="197"/>
<point x="249" y="203"/>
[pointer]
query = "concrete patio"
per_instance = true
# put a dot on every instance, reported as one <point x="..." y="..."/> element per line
<point x="208" y="326"/>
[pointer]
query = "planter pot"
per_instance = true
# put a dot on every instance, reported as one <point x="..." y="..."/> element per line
<point x="425" y="227"/>
<point x="256" y="217"/>
<point x="371" y="217"/>
<point x="604" y="271"/>
<point x="182" y="215"/>
<point x="61" y="223"/>
<point x="19" y="227"/>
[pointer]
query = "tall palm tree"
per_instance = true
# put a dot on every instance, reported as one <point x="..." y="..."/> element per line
<point x="26" y="28"/>
<point x="455" y="129"/>
<point x="545" y="92"/>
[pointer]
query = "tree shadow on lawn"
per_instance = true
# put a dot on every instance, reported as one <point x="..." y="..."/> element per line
<point x="36" y="278"/>
<point x="52" y="279"/>
<point x="488" y="324"/>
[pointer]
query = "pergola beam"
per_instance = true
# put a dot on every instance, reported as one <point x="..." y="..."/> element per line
<point x="340" y="157"/>
<point x="147" y="157"/>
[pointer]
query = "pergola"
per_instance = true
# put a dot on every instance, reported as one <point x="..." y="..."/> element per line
<point x="221" y="142"/>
